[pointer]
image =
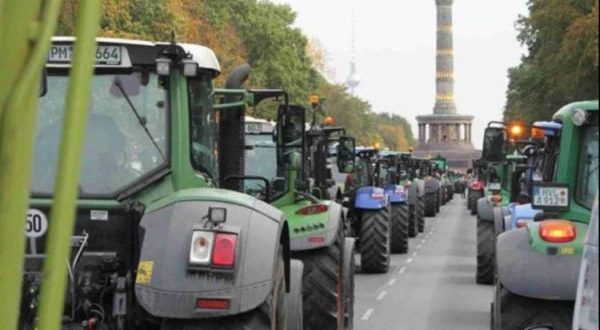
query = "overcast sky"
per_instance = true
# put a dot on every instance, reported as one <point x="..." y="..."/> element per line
<point x="395" y="51"/>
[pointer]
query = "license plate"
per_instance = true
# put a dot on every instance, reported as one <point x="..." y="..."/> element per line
<point x="550" y="197"/>
<point x="107" y="55"/>
<point x="494" y="186"/>
<point x="253" y="128"/>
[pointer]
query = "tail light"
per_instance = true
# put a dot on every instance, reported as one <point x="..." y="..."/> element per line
<point x="349" y="180"/>
<point x="212" y="303"/>
<point x="312" y="209"/>
<point x="557" y="231"/>
<point x="215" y="249"/>
<point x="377" y="193"/>
<point x="224" y="251"/>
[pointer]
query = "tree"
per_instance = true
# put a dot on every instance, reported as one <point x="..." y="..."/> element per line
<point x="561" y="66"/>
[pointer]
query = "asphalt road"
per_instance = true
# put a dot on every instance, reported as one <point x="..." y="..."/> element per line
<point x="433" y="286"/>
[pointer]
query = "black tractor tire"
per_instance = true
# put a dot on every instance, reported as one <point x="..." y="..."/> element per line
<point x="430" y="204"/>
<point x="450" y="192"/>
<point x="474" y="196"/>
<point x="439" y="201"/>
<point x="375" y="237"/>
<point x="400" y="223"/>
<point x="293" y="300"/>
<point x="271" y="315"/>
<point x="420" y="221"/>
<point x="420" y="210"/>
<point x="413" y="222"/>
<point x="486" y="244"/>
<point x="512" y="311"/>
<point x="322" y="285"/>
<point x="348" y="271"/>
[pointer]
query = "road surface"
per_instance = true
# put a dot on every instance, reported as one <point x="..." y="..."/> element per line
<point x="431" y="287"/>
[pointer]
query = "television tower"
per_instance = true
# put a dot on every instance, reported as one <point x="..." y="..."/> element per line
<point x="353" y="79"/>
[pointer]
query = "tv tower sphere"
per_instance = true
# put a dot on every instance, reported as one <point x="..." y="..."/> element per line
<point x="353" y="79"/>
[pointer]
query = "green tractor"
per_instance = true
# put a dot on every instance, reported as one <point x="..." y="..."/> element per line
<point x="538" y="262"/>
<point x="156" y="245"/>
<point x="440" y="168"/>
<point x="287" y="167"/>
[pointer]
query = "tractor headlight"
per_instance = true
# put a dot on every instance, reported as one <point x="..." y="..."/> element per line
<point x="201" y="247"/>
<point x="579" y="117"/>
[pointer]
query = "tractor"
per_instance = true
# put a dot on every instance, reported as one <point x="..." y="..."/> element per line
<point x="390" y="176"/>
<point x="538" y="263"/>
<point x="368" y="210"/>
<point x="433" y="194"/>
<point x="285" y="165"/>
<point x="156" y="244"/>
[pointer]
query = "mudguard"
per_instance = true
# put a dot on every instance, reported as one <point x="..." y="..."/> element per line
<point x="528" y="273"/>
<point x="396" y="193"/>
<point x="485" y="209"/>
<point x="307" y="232"/>
<point x="168" y="288"/>
<point x="500" y="219"/>
<point x="521" y="212"/>
<point x="365" y="201"/>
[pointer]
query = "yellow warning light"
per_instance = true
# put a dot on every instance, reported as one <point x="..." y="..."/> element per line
<point x="376" y="146"/>
<point x="516" y="130"/>
<point x="328" y="121"/>
<point x="314" y="100"/>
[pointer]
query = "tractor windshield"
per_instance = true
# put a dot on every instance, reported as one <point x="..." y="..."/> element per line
<point x="125" y="138"/>
<point x="587" y="176"/>
<point x="261" y="160"/>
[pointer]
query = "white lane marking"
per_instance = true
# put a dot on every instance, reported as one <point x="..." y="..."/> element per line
<point x="402" y="270"/>
<point x="392" y="281"/>
<point x="381" y="295"/>
<point x="409" y="260"/>
<point x="367" y="314"/>
<point x="423" y="241"/>
<point x="418" y="246"/>
<point x="414" y="254"/>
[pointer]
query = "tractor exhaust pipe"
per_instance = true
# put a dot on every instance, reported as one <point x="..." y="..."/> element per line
<point x="231" y="132"/>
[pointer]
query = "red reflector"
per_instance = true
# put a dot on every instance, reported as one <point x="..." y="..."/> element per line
<point x="224" y="250"/>
<point x="557" y="231"/>
<point x="312" y="209"/>
<point x="316" y="239"/>
<point x="496" y="198"/>
<point x="212" y="303"/>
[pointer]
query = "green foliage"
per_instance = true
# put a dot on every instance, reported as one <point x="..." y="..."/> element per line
<point x="260" y="33"/>
<point x="561" y="37"/>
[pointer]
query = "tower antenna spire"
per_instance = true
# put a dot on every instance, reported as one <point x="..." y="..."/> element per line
<point x="353" y="79"/>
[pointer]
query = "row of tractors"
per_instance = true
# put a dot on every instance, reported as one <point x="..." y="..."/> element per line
<point x="533" y="192"/>
<point x="191" y="215"/>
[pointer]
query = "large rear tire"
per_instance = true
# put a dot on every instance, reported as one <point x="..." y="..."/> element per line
<point x="322" y="285"/>
<point x="413" y="223"/>
<point x="485" y="252"/>
<point x="430" y="204"/>
<point x="420" y="221"/>
<point x="293" y="300"/>
<point x="271" y="315"/>
<point x="400" y="223"/>
<point x="512" y="311"/>
<point x="474" y="196"/>
<point x="375" y="241"/>
<point x="348" y="284"/>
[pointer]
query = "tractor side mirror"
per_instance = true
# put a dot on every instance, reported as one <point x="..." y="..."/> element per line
<point x="345" y="154"/>
<point x="494" y="144"/>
